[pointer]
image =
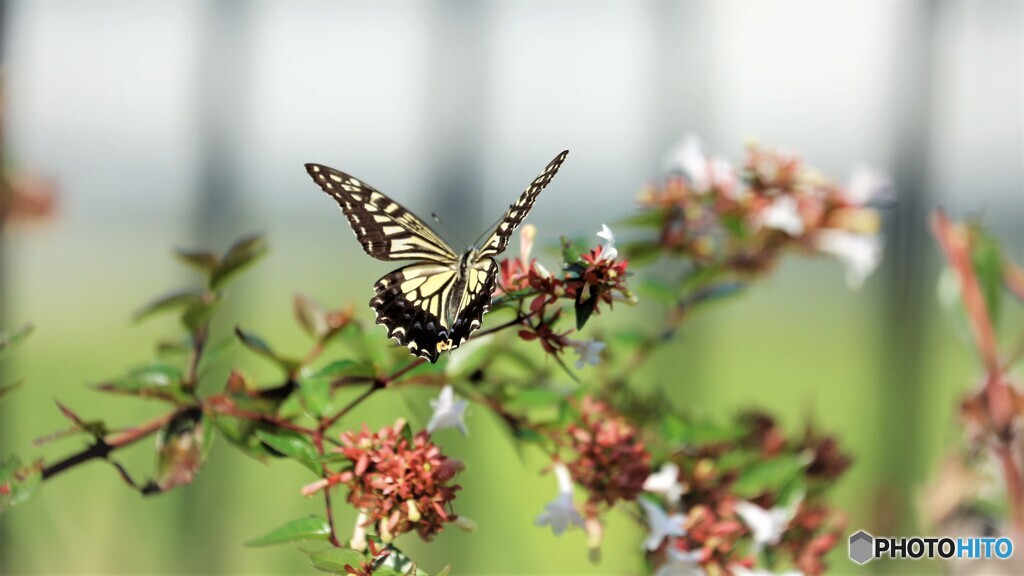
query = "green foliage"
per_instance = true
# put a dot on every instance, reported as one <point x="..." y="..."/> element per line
<point x="182" y="299"/>
<point x="293" y="446"/>
<point x="308" y="528"/>
<point x="683" y="432"/>
<point x="238" y="256"/>
<point x="157" y="380"/>
<point x="771" y="475"/>
<point x="261" y="348"/>
<point x="335" y="560"/>
<point x="18" y="484"/>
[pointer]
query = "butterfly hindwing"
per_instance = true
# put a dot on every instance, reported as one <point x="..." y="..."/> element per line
<point x="476" y="300"/>
<point x="410" y="303"/>
<point x="498" y="240"/>
<point x="386" y="230"/>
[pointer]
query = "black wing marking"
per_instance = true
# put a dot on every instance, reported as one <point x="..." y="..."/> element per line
<point x="498" y="239"/>
<point x="476" y="301"/>
<point x="411" y="303"/>
<point x="386" y="230"/>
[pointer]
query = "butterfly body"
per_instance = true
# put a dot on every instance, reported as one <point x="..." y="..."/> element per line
<point x="434" y="304"/>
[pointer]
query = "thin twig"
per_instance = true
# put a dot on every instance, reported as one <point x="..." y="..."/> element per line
<point x="230" y="410"/>
<point x="103" y="446"/>
<point x="318" y="442"/>
<point x="198" y="345"/>
<point x="1014" y="487"/>
<point x="326" y="424"/>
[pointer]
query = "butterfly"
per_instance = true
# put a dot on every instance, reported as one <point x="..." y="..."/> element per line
<point x="438" y="301"/>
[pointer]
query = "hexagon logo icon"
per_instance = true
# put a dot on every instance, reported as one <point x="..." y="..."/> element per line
<point x="861" y="547"/>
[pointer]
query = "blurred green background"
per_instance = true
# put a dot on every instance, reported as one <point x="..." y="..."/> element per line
<point x="187" y="123"/>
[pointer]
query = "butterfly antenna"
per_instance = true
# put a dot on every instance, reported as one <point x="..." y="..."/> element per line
<point x="448" y="228"/>
<point x="489" y="230"/>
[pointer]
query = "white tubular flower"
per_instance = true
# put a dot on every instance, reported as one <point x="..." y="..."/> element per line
<point x="589" y="352"/>
<point x="724" y="178"/>
<point x="358" y="541"/>
<point x="681" y="563"/>
<point x="687" y="157"/>
<point x="783" y="214"/>
<point x="560" y="513"/>
<point x="766" y="526"/>
<point x="609" y="252"/>
<point x="448" y="412"/>
<point x="660" y="525"/>
<point x="665" y="482"/>
<point x="867" y="184"/>
<point x="859" y="253"/>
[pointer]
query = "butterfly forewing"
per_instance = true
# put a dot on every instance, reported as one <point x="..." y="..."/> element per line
<point x="386" y="230"/>
<point x="436" y="303"/>
<point x="498" y="240"/>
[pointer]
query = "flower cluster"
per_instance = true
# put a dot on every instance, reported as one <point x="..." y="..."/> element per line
<point x="589" y="279"/>
<point x="741" y="221"/>
<point x="713" y="520"/>
<point x="612" y="462"/>
<point x="399" y="483"/>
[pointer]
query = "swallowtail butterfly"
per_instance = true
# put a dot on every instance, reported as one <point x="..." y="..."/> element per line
<point x="435" y="303"/>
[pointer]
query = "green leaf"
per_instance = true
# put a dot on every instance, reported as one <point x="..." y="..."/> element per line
<point x="445" y="571"/>
<point x="292" y="445"/>
<point x="215" y="352"/>
<point x="571" y="252"/>
<point x="197" y="315"/>
<point x="315" y="394"/>
<point x="693" y="431"/>
<point x="240" y="433"/>
<point x="769" y="475"/>
<point x="334" y="560"/>
<point x="8" y="468"/>
<point x="159" y="380"/>
<point x="987" y="260"/>
<point x="168" y="303"/>
<point x="308" y="528"/>
<point x="241" y="254"/>
<point x="340" y="368"/>
<point x="10" y="341"/>
<point x="205" y="262"/>
<point x="21" y="484"/>
<point x="529" y="435"/>
<point x="259" y="346"/>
